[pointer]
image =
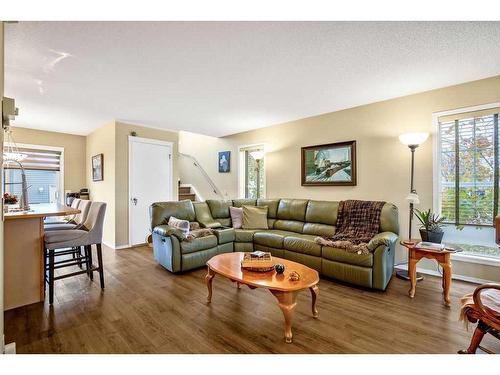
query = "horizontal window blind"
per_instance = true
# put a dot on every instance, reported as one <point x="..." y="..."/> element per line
<point x="39" y="160"/>
<point x="469" y="168"/>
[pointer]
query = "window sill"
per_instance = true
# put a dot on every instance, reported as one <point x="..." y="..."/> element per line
<point x="470" y="258"/>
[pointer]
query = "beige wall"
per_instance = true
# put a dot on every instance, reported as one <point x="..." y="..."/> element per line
<point x="383" y="162"/>
<point x="112" y="141"/>
<point x="74" y="152"/>
<point x="122" y="196"/>
<point x="102" y="141"/>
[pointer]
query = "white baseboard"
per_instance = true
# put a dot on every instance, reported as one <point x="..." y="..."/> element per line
<point x="10" y="348"/>
<point x="115" y="247"/>
<point x="427" y="271"/>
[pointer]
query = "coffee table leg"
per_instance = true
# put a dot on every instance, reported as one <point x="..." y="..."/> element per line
<point x="208" y="281"/>
<point x="287" y="302"/>
<point x="314" y="294"/>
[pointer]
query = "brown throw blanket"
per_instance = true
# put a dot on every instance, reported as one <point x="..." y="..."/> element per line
<point x="198" y="233"/>
<point x="490" y="299"/>
<point x="357" y="223"/>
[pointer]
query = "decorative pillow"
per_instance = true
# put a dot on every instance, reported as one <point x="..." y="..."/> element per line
<point x="255" y="217"/>
<point x="182" y="225"/>
<point x="236" y="216"/>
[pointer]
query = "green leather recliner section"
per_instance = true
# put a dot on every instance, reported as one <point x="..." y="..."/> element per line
<point x="293" y="226"/>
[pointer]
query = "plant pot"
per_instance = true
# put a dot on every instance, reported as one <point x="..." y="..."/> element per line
<point x="429" y="236"/>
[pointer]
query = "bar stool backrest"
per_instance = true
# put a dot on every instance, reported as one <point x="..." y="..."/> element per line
<point x="75" y="203"/>
<point x="84" y="208"/>
<point x="94" y="222"/>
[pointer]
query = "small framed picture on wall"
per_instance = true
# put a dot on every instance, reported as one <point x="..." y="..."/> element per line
<point x="224" y="161"/>
<point x="98" y="167"/>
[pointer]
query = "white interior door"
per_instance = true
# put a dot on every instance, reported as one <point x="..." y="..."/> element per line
<point x="150" y="180"/>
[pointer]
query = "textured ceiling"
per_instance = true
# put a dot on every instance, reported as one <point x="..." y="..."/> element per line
<point x="220" y="78"/>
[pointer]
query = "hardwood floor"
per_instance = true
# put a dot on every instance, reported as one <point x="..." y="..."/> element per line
<point x="146" y="309"/>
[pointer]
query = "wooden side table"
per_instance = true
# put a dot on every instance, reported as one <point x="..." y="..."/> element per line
<point x="442" y="257"/>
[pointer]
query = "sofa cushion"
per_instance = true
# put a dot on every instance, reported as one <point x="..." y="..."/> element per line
<point x="219" y="208"/>
<point x="302" y="243"/>
<point x="292" y="209"/>
<point x="342" y="256"/>
<point x="244" y="202"/>
<point x="198" y="244"/>
<point x="160" y="212"/>
<point x="322" y="212"/>
<point x="272" y="206"/>
<point x="244" y="235"/>
<point x="271" y="238"/>
<point x="254" y="217"/>
<point x="224" y="235"/>
<point x="318" y="229"/>
<point x="289" y="225"/>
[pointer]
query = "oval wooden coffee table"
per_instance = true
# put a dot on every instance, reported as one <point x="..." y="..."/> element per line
<point x="285" y="291"/>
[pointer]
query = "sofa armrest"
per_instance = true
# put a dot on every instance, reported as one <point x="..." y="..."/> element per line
<point x="382" y="238"/>
<point x="167" y="230"/>
<point x="211" y="225"/>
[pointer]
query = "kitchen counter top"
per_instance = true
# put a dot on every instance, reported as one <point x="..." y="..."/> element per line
<point x="42" y="210"/>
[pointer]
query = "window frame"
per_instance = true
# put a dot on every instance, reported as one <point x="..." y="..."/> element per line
<point x="436" y="178"/>
<point x="436" y="157"/>
<point x="61" y="162"/>
<point x="242" y="177"/>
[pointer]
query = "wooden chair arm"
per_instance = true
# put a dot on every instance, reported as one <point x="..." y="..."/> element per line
<point x="479" y="305"/>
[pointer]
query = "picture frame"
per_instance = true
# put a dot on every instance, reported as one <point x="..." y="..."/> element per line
<point x="224" y="161"/>
<point x="98" y="167"/>
<point x="332" y="164"/>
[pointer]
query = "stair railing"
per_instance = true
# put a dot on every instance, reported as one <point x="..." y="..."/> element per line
<point x="195" y="162"/>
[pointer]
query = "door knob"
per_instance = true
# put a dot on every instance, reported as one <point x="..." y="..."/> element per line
<point x="134" y="201"/>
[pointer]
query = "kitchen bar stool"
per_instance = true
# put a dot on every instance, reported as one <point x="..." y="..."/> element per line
<point x="89" y="234"/>
<point x="75" y="223"/>
<point x="55" y="220"/>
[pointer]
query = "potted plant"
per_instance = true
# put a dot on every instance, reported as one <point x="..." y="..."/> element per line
<point x="9" y="198"/>
<point x="431" y="229"/>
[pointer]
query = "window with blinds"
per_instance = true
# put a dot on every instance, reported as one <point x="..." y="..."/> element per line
<point x="468" y="157"/>
<point x="42" y="169"/>
<point x="254" y="173"/>
<point x="39" y="160"/>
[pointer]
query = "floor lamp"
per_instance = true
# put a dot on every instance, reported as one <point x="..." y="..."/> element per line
<point x="258" y="155"/>
<point x="412" y="140"/>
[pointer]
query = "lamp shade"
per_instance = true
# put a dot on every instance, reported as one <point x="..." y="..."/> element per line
<point x="257" y="154"/>
<point x="413" y="198"/>
<point x="413" y="139"/>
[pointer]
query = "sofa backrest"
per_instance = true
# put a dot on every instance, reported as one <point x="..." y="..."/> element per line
<point x="297" y="215"/>
<point x="220" y="210"/>
<point x="291" y="215"/>
<point x="321" y="218"/>
<point x="160" y="212"/>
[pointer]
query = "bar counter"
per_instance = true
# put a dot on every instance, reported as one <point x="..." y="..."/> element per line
<point x="23" y="248"/>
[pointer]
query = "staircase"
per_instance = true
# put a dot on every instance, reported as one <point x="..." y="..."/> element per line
<point x="185" y="193"/>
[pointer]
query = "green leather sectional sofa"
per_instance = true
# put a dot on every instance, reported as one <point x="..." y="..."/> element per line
<point x="293" y="223"/>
